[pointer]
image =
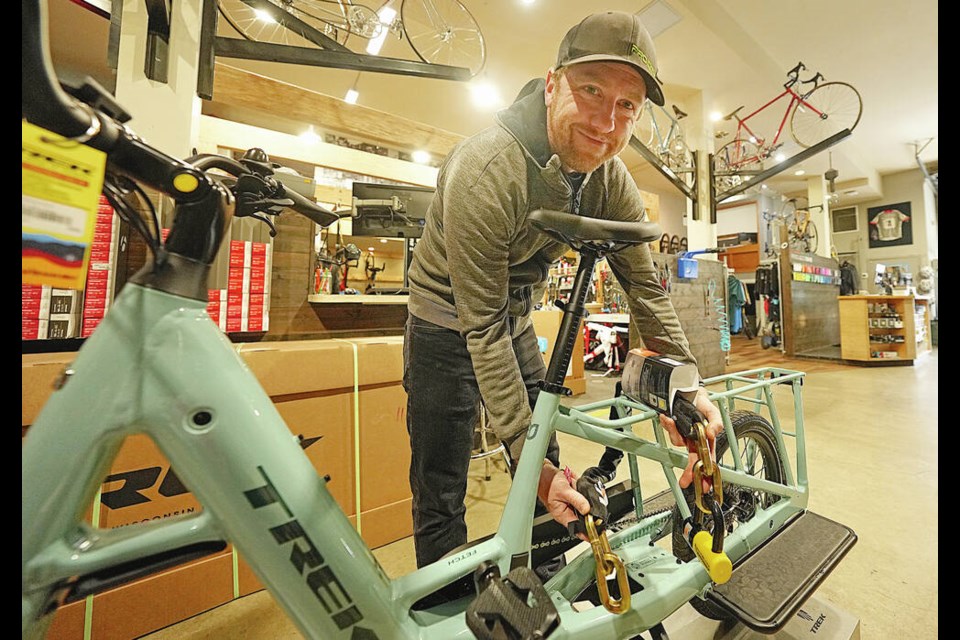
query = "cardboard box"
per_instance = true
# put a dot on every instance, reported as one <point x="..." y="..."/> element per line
<point x="325" y="424"/>
<point x="38" y="373"/>
<point x="547" y="324"/>
<point x="387" y="523"/>
<point x="313" y="385"/>
<point x="142" y="486"/>
<point x="384" y="446"/>
<point x="299" y="366"/>
<point x="144" y="606"/>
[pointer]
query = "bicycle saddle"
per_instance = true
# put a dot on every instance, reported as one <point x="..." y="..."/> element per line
<point x="575" y="229"/>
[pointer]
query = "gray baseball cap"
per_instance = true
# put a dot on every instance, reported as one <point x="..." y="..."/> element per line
<point x="615" y="36"/>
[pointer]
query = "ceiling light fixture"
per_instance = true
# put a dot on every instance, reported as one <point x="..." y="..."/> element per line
<point x="352" y="94"/>
<point x="799" y="172"/>
<point x="310" y="136"/>
<point x="485" y="95"/>
<point x="420" y="156"/>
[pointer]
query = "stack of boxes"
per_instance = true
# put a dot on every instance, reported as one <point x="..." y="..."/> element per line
<point x="102" y="269"/>
<point x="53" y="314"/>
<point x="244" y="306"/>
<point x="34" y="311"/>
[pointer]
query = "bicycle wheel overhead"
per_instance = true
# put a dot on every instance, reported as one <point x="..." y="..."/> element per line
<point x="444" y="32"/>
<point x="826" y="111"/>
<point x="734" y="162"/>
<point x="298" y="23"/>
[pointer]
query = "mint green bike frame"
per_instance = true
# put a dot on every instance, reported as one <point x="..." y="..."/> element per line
<point x="159" y="366"/>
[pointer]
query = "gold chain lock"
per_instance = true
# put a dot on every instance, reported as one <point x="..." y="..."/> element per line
<point x="705" y="466"/>
<point x="607" y="563"/>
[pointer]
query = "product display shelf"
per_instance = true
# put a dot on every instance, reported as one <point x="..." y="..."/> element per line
<point x="876" y="329"/>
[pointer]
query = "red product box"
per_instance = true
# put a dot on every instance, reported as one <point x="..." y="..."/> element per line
<point x="103" y="224"/>
<point x="240" y="253"/>
<point x="34" y="309"/>
<point x="233" y="325"/>
<point x="257" y="299"/>
<point x="102" y="236"/>
<point x="33" y="329"/>
<point x="89" y="324"/>
<point x="101" y="253"/>
<point x="258" y="255"/>
<point x="33" y="291"/>
<point x="235" y="278"/>
<point x="255" y="323"/>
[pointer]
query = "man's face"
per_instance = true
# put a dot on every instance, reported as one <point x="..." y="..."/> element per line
<point x="591" y="111"/>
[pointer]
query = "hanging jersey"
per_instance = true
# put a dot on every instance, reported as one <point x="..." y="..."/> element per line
<point x="889" y="224"/>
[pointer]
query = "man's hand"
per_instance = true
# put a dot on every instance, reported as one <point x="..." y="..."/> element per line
<point x="562" y="501"/>
<point x="713" y="427"/>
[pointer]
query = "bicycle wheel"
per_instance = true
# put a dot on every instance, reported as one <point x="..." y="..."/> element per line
<point x="760" y="457"/>
<point x="732" y="162"/>
<point x="443" y="32"/>
<point x="679" y="159"/>
<point x="826" y="111"/>
<point x="804" y="241"/>
<point x="328" y="17"/>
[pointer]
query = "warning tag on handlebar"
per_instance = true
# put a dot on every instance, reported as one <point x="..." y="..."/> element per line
<point x="655" y="380"/>
<point x="61" y="181"/>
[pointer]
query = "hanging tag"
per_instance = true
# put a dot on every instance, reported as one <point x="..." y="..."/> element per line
<point x="61" y="180"/>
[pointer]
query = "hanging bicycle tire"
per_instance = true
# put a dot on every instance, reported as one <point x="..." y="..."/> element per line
<point x="444" y="32"/>
<point x="679" y="159"/>
<point x="330" y="18"/>
<point x="806" y="241"/>
<point x="757" y="444"/>
<point x="839" y="106"/>
<point x="733" y="161"/>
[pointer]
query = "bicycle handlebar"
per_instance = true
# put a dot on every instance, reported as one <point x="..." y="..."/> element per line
<point x="45" y="104"/>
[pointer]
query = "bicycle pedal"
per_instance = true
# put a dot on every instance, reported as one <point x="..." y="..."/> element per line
<point x="515" y="606"/>
<point x="772" y="582"/>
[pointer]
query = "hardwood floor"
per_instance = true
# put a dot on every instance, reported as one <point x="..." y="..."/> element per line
<point x="748" y="354"/>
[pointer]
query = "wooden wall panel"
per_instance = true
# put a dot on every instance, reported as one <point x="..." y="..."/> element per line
<point x="810" y="311"/>
<point x="698" y="317"/>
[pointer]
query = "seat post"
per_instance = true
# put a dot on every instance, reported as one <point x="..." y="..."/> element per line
<point x="573" y="313"/>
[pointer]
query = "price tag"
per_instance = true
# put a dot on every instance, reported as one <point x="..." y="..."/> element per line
<point x="61" y="184"/>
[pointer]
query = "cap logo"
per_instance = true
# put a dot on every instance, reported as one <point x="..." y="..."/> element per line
<point x="635" y="50"/>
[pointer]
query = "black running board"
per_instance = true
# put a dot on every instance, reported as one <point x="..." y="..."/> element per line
<point x="771" y="583"/>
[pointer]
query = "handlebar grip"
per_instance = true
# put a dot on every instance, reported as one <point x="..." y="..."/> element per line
<point x="321" y="215"/>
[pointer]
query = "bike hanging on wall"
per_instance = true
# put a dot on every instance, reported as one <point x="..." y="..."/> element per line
<point x="816" y="110"/>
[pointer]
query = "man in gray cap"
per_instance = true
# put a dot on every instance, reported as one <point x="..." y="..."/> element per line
<point x="479" y="269"/>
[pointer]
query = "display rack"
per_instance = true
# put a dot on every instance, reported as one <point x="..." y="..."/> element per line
<point x="884" y="329"/>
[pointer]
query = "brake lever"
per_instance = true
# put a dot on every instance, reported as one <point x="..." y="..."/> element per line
<point x="266" y="221"/>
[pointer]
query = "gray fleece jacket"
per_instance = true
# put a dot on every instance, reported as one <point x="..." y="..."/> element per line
<point x="479" y="264"/>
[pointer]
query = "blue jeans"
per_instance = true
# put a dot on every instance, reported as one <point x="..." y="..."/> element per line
<point x="443" y="402"/>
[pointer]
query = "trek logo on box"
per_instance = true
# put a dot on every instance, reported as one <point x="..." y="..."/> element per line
<point x="137" y="486"/>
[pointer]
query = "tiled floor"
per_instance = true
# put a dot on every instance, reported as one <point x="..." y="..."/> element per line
<point x="873" y="456"/>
